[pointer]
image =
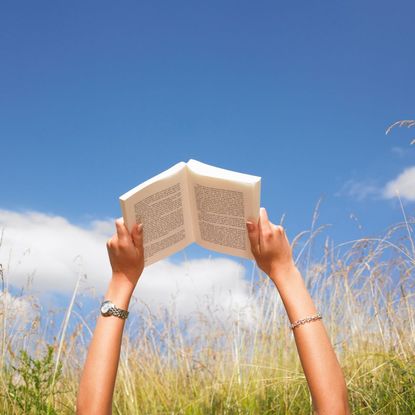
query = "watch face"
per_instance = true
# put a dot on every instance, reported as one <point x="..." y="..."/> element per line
<point x="106" y="307"/>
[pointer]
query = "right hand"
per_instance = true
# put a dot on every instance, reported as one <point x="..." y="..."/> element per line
<point x="270" y="246"/>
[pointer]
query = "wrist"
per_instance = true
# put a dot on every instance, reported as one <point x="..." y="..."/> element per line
<point x="294" y="294"/>
<point x="284" y="274"/>
<point x="119" y="291"/>
<point x="123" y="281"/>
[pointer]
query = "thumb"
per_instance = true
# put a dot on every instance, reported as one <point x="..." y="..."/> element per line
<point x="253" y="235"/>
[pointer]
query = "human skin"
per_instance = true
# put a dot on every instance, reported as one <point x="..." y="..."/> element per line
<point x="272" y="252"/>
<point x="97" y="382"/>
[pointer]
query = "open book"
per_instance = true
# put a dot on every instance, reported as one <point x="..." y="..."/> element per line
<point x="193" y="202"/>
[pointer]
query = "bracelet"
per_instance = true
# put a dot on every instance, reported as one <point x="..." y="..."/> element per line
<point x="297" y="323"/>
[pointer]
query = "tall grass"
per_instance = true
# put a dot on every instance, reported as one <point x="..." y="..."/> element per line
<point x="249" y="364"/>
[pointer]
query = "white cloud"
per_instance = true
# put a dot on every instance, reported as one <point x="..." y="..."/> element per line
<point x="208" y="285"/>
<point x="52" y="250"/>
<point x="404" y="184"/>
<point x="359" y="189"/>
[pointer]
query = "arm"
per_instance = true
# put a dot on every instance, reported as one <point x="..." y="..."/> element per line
<point x="98" y="377"/>
<point x="325" y="379"/>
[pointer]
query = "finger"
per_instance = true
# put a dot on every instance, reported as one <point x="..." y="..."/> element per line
<point x="137" y="234"/>
<point x="111" y="242"/>
<point x="265" y="229"/>
<point x="280" y="231"/>
<point x="122" y="231"/>
<point x="286" y="235"/>
<point x="279" y="228"/>
<point x="253" y="235"/>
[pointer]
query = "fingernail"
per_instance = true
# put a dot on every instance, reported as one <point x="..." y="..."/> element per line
<point x="250" y="226"/>
<point x="140" y="227"/>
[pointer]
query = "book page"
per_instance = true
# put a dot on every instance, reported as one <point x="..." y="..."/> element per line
<point x="161" y="204"/>
<point x="222" y="201"/>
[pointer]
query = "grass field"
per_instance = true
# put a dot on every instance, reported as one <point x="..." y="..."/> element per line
<point x="248" y="365"/>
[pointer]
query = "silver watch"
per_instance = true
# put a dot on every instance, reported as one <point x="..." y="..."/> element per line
<point x="109" y="309"/>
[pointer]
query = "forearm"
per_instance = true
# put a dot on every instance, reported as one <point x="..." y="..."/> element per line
<point x="321" y="367"/>
<point x="98" y="378"/>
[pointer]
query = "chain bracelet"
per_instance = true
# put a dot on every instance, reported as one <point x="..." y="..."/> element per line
<point x="297" y="323"/>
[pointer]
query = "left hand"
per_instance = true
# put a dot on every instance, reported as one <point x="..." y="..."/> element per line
<point x="126" y="253"/>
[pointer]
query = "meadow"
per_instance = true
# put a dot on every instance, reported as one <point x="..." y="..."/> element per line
<point x="247" y="365"/>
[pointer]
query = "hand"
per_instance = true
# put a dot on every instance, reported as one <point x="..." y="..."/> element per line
<point x="270" y="246"/>
<point x="126" y="253"/>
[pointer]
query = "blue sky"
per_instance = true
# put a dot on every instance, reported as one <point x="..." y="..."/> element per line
<point x="96" y="97"/>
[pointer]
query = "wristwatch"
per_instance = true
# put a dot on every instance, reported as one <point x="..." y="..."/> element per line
<point x="109" y="309"/>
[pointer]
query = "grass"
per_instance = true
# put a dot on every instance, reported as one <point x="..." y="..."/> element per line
<point x="364" y="289"/>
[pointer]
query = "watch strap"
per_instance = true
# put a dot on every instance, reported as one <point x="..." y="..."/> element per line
<point x="119" y="313"/>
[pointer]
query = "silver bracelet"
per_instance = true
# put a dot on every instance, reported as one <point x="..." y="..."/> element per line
<point x="297" y="323"/>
